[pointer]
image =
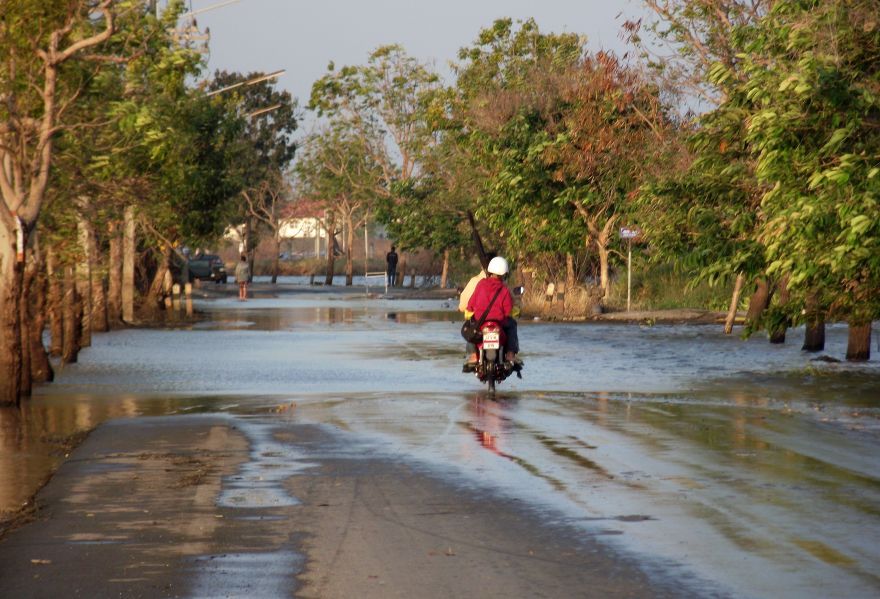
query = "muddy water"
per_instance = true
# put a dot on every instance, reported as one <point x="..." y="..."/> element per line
<point x="743" y="464"/>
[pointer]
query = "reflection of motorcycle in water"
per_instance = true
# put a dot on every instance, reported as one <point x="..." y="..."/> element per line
<point x="491" y="366"/>
<point x="490" y="424"/>
<point x="487" y="425"/>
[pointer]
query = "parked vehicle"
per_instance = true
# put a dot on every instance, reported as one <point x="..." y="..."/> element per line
<point x="207" y="267"/>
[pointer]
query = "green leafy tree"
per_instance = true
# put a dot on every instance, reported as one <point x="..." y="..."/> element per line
<point x="383" y="104"/>
<point x="500" y="115"/>
<point x="705" y="213"/>
<point x="269" y="122"/>
<point x="813" y="95"/>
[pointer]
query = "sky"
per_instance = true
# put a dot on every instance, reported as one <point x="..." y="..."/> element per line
<point x="303" y="36"/>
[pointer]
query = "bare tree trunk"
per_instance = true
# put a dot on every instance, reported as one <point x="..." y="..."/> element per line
<point x="777" y="335"/>
<point x="734" y="303"/>
<point x="24" y="319"/>
<point x="276" y="264"/>
<point x="10" y="325"/>
<point x="569" y="272"/>
<point x="604" y="284"/>
<point x="858" y="348"/>
<point x="444" y="274"/>
<point x="601" y="239"/>
<point x="41" y="368"/>
<point x="331" y="255"/>
<point x="157" y="287"/>
<point x="99" y="293"/>
<point x="35" y="365"/>
<point x="814" y="335"/>
<point x="114" y="276"/>
<point x="84" y="277"/>
<point x="128" y="265"/>
<point x="72" y="318"/>
<point x="401" y="274"/>
<point x="56" y="299"/>
<point x="758" y="303"/>
<point x="349" y="243"/>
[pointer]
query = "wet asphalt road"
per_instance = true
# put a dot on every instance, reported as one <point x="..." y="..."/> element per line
<point x="206" y="506"/>
<point x="651" y="461"/>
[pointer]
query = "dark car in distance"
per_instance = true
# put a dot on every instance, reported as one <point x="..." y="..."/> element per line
<point x="207" y="267"/>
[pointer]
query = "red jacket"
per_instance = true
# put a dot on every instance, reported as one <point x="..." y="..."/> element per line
<point x="483" y="294"/>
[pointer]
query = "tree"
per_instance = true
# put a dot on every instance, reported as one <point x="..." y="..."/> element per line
<point x="37" y="40"/>
<point x="382" y="104"/>
<point x="429" y="212"/>
<point x="500" y="114"/>
<point x="612" y="135"/>
<point x="707" y="213"/>
<point x="812" y="96"/>
<point x="691" y="38"/>
<point x="791" y="151"/>
<point x="338" y="173"/>
<point x="268" y="122"/>
<point x="266" y="203"/>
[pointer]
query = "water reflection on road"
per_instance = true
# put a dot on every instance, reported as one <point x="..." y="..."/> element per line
<point x="745" y="463"/>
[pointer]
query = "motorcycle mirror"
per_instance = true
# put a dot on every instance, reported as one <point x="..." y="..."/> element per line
<point x="519" y="290"/>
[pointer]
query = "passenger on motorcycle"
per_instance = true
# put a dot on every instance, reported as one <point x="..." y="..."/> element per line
<point x="502" y="307"/>
<point x="470" y="349"/>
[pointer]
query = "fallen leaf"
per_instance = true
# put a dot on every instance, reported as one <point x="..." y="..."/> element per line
<point x="41" y="562"/>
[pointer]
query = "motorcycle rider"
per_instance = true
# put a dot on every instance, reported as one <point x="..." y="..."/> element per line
<point x="501" y="308"/>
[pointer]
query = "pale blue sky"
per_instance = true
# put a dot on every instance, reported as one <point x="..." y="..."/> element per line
<point x="303" y="36"/>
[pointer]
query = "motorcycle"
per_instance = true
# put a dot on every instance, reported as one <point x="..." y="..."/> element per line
<point x="491" y="366"/>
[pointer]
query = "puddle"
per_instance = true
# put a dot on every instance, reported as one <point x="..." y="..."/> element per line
<point x="246" y="575"/>
<point x="259" y="483"/>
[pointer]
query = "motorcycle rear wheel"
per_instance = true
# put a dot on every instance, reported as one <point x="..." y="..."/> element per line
<point x="491" y="356"/>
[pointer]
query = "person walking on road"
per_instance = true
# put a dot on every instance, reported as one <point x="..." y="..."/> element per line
<point x="242" y="277"/>
<point x="391" y="267"/>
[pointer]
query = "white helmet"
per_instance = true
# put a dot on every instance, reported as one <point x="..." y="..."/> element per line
<point x="498" y="266"/>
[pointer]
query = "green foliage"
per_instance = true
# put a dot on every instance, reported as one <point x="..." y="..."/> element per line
<point x="384" y="103"/>
<point x="784" y="182"/>
<point x="336" y="173"/>
<point x="500" y="118"/>
<point x="665" y="286"/>
<point x="812" y="128"/>
<point x="150" y="140"/>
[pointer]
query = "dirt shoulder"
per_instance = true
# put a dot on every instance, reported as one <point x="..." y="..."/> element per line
<point x="681" y="315"/>
<point x="219" y="506"/>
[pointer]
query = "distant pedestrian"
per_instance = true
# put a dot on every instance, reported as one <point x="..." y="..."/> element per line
<point x="242" y="275"/>
<point x="391" y="267"/>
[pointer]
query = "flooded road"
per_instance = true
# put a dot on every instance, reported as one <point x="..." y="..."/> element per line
<point x="745" y="468"/>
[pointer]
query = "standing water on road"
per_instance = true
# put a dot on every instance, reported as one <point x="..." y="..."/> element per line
<point x="744" y="464"/>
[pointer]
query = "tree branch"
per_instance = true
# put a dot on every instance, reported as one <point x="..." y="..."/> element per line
<point x="105" y="9"/>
